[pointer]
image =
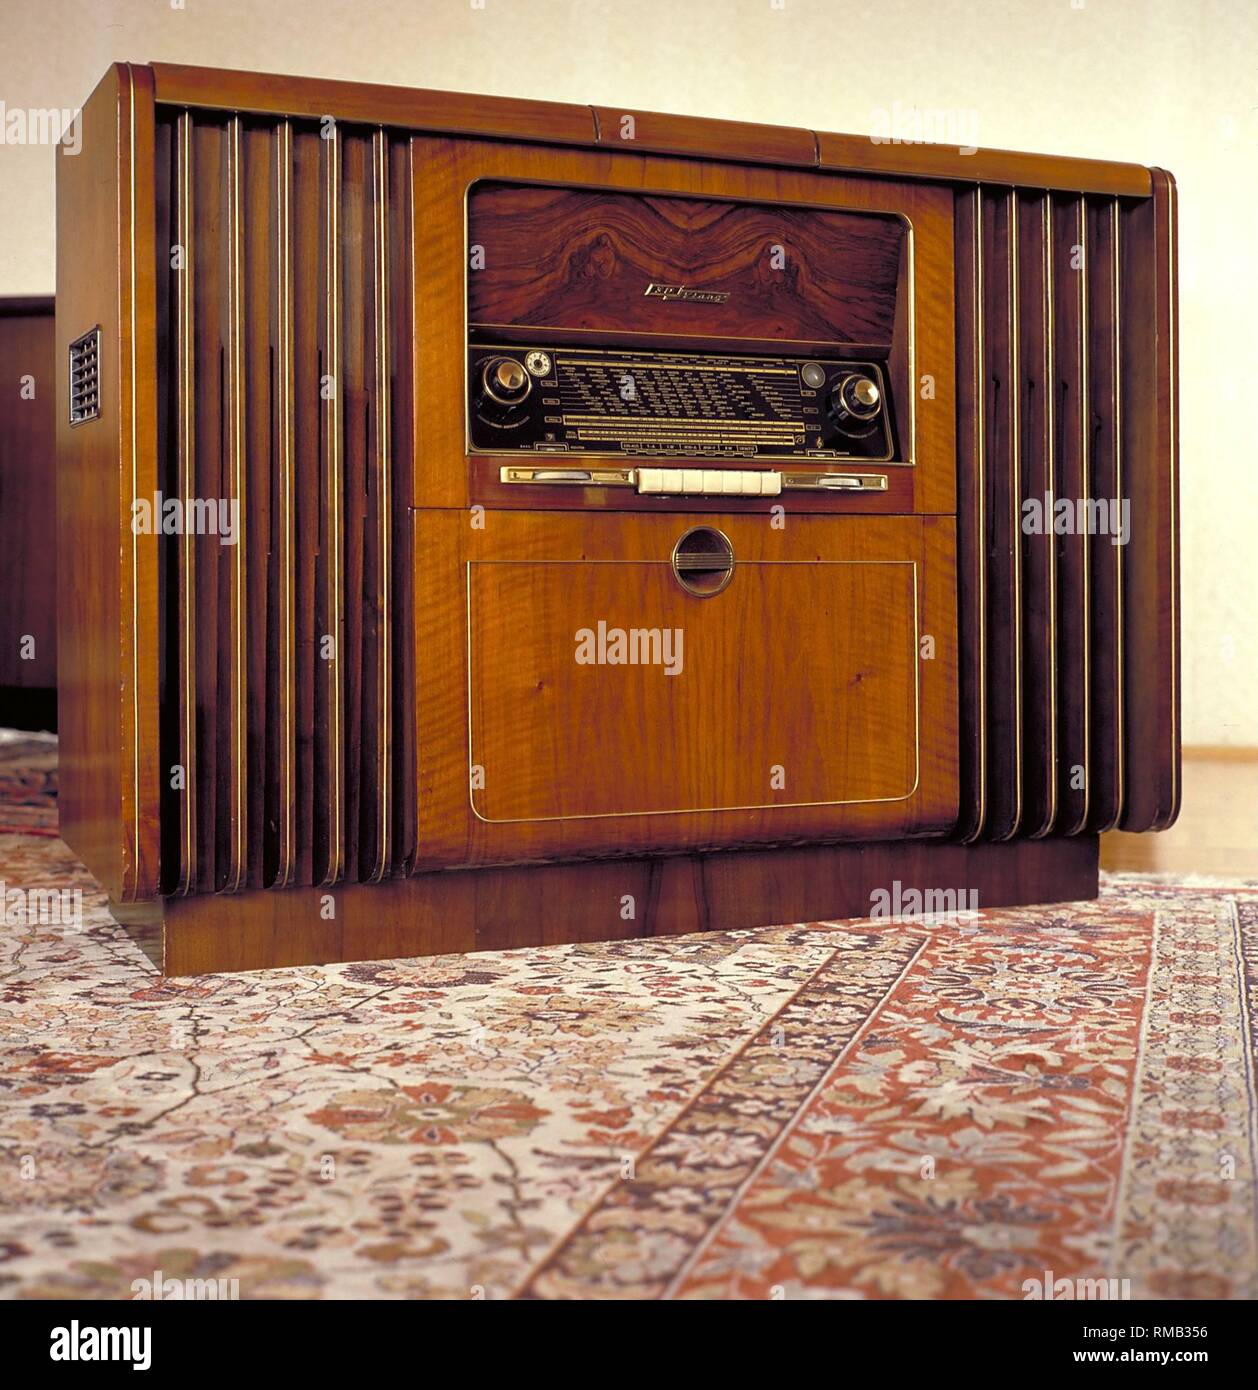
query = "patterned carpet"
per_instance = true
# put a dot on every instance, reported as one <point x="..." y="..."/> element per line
<point x="919" y="1109"/>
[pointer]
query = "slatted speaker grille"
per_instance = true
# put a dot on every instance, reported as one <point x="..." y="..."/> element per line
<point x="284" y="408"/>
<point x="1066" y="374"/>
<point x="85" y="377"/>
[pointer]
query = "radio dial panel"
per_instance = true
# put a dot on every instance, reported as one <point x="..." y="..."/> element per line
<point x="723" y="407"/>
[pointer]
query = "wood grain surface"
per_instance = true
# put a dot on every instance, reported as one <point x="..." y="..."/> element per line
<point x="788" y="676"/>
<point x="581" y="258"/>
<point x="548" y="905"/>
<point x="450" y="168"/>
<point x="697" y="137"/>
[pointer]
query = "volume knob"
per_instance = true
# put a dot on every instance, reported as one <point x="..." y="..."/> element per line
<point x="505" y="381"/>
<point x="859" y="397"/>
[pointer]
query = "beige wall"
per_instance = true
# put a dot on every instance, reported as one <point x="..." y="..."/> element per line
<point x="1169" y="82"/>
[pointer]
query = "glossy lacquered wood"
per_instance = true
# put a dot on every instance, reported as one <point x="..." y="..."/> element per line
<point x="581" y="258"/>
<point x="107" y="626"/>
<point x="548" y="905"/>
<point x="1070" y="421"/>
<point x="380" y="677"/>
<point x="922" y="378"/>
<point x="1151" y="482"/>
<point x="280" y="321"/>
<point x="818" y="702"/>
<point x="647" y="131"/>
<point x="1068" y="619"/>
<point x="1038" y="570"/>
<point x="1107" y="668"/>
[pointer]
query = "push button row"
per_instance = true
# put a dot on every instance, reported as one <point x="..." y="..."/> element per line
<point x="723" y="482"/>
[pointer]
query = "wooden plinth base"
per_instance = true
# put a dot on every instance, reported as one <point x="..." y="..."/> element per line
<point x="549" y="905"/>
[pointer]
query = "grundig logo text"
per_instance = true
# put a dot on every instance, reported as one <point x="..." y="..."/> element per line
<point x="657" y="291"/>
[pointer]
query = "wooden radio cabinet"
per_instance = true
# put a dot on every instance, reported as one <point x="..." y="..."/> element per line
<point x="490" y="523"/>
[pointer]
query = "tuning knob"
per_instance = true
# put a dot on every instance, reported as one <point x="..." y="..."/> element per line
<point x="857" y="397"/>
<point x="505" y="381"/>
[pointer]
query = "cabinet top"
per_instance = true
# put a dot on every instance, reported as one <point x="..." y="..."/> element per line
<point x="694" y="137"/>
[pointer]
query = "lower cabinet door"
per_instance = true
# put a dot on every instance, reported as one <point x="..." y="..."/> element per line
<point x="619" y="684"/>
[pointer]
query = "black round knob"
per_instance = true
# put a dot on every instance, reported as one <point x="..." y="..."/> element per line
<point x="857" y="396"/>
<point x="505" y="381"/>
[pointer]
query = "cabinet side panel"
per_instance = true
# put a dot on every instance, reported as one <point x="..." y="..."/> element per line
<point x="107" y="588"/>
<point x="1150" y="495"/>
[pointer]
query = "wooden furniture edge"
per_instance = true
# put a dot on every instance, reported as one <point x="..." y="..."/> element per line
<point x="556" y="904"/>
<point x="462" y="113"/>
<point x="16" y="306"/>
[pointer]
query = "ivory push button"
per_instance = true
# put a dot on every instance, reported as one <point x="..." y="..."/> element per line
<point x="715" y="482"/>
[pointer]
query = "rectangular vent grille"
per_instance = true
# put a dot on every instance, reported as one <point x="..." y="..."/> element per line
<point x="284" y="344"/>
<point x="85" y="378"/>
<point x="1066" y="366"/>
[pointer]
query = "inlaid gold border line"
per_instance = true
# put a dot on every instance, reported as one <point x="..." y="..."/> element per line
<point x="698" y="810"/>
<point x="186" y="464"/>
<point x="286" y="557"/>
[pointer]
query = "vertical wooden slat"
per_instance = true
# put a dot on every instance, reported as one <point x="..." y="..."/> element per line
<point x="376" y="765"/>
<point x="257" y="217"/>
<point x="205" y="396"/>
<point x="1150" y="479"/>
<point x="1002" y="451"/>
<point x="1039" y="657"/>
<point x="233" y="652"/>
<point x="171" y="789"/>
<point x="185" y="473"/>
<point x="971" y="512"/>
<point x="402" y="341"/>
<point x="309" y="318"/>
<point x="1105" y="557"/>
<point x="355" y="426"/>
<point x="330" y="628"/>
<point x="282" y="650"/>
<point x="1071" y="485"/>
<point x="352" y="380"/>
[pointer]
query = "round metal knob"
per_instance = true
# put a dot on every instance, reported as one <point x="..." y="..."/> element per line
<point x="506" y="381"/>
<point x="859" y="397"/>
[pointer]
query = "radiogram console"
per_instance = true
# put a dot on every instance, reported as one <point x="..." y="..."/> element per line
<point x="491" y="523"/>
